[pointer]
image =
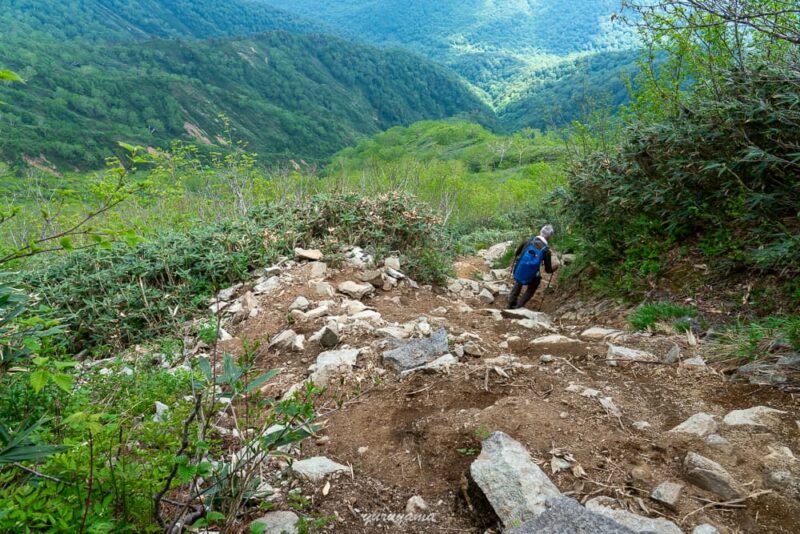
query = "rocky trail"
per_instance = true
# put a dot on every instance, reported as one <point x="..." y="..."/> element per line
<point x="443" y="413"/>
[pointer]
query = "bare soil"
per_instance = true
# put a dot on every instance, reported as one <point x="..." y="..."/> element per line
<point x="418" y="435"/>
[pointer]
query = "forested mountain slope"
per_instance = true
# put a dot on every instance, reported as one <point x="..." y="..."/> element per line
<point x="495" y="44"/>
<point x="103" y="20"/>
<point x="96" y="75"/>
<point x="289" y="96"/>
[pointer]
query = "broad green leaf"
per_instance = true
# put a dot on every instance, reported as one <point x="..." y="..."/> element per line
<point x="39" y="379"/>
<point x="63" y="381"/>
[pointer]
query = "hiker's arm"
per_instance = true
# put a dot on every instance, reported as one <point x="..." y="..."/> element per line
<point x="548" y="262"/>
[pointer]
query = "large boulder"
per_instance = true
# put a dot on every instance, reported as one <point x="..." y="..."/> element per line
<point x="417" y="352"/>
<point x="516" y="488"/>
<point x="495" y="252"/>
<point x="759" y="416"/>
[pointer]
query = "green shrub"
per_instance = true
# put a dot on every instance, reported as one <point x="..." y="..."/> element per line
<point x="111" y="297"/>
<point x="647" y="316"/>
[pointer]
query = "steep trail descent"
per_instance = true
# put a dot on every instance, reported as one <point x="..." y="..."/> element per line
<point x="558" y="384"/>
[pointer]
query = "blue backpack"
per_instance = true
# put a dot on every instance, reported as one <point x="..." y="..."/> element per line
<point x="529" y="263"/>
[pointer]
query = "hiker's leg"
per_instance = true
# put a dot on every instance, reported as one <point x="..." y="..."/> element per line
<point x="529" y="291"/>
<point x="513" y="295"/>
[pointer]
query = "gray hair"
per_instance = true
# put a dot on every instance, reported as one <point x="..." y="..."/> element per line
<point x="547" y="231"/>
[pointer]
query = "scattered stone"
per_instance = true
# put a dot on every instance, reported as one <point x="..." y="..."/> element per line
<point x="495" y="252"/>
<point x="162" y="412"/>
<point x="267" y="286"/>
<point x="636" y="523"/>
<point x="473" y="349"/>
<point x="228" y="293"/>
<point x="458" y="350"/>
<point x="499" y="274"/>
<point x="617" y="353"/>
<point x="440" y="363"/>
<point x="641" y="425"/>
<point x="668" y="493"/>
<point x="705" y="528"/>
<point x="417" y="352"/>
<point x="545" y="358"/>
<point x="565" y="516"/>
<point x="553" y="339"/>
<point x="697" y="361"/>
<point x="590" y="393"/>
<point x="710" y="476"/>
<point x="308" y="254"/>
<point x="355" y="290"/>
<point x="284" y="340"/>
<point x="486" y="296"/>
<point x="598" y="333"/>
<point x="329" y="336"/>
<point x="524" y="313"/>
<point x="318" y="269"/>
<point x="278" y="523"/>
<point x="273" y="270"/>
<point x="700" y="424"/>
<point x="416" y="505"/>
<point x="317" y="468"/>
<point x="300" y="303"/>
<point x="324" y="289"/>
<point x="395" y="332"/>
<point x="608" y="404"/>
<point x="299" y="343"/>
<point x="320" y="311"/>
<point x="514" y="485"/>
<point x="715" y="441"/>
<point x="392" y="262"/>
<point x="394" y="273"/>
<point x="757" y="416"/>
<point x="333" y="362"/>
<point x="372" y="277"/>
<point x="673" y="356"/>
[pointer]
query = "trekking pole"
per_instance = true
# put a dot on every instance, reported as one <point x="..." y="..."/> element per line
<point x="541" y="300"/>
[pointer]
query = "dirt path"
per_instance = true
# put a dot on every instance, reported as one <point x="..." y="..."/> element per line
<point x="418" y="435"/>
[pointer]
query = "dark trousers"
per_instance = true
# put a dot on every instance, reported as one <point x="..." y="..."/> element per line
<point x="530" y="289"/>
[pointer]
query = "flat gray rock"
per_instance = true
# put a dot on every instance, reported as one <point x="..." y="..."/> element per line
<point x="516" y="488"/>
<point x="278" y="522"/>
<point x="317" y="468"/>
<point x="417" y="352"/>
<point x="617" y="353"/>
<point x="524" y="313"/>
<point x="565" y="516"/>
<point x="668" y="493"/>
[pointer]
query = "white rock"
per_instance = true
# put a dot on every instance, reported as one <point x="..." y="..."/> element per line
<point x="267" y="286"/>
<point x="705" y="528"/>
<point x="284" y="340"/>
<point x="416" y="505"/>
<point x="392" y="262"/>
<point x="598" y="333"/>
<point x="228" y="293"/>
<point x="544" y="358"/>
<point x="608" y="404"/>
<point x="700" y="424"/>
<point x="617" y="353"/>
<point x="352" y="307"/>
<point x="308" y="254"/>
<point x="300" y="303"/>
<point x="495" y="252"/>
<point x="590" y="393"/>
<point x="318" y="269"/>
<point x="317" y="468"/>
<point x="697" y="361"/>
<point x="524" y="313"/>
<point x="395" y="332"/>
<point x="299" y="343"/>
<point x="486" y="296"/>
<point x="553" y="339"/>
<point x="355" y="290"/>
<point x="641" y="425"/>
<point x="715" y="441"/>
<point x="324" y="289"/>
<point x="440" y="363"/>
<point x="283" y="522"/>
<point x="757" y="416"/>
<point x="162" y="412"/>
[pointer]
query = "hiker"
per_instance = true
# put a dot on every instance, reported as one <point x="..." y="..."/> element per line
<point x="528" y="260"/>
